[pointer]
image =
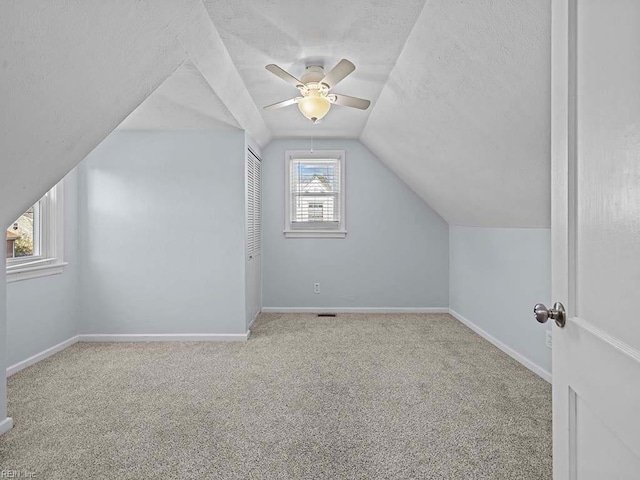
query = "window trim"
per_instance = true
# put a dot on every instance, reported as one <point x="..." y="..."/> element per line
<point x="50" y="260"/>
<point x="289" y="231"/>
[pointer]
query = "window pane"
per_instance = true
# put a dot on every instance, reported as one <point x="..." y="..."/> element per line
<point x="22" y="235"/>
<point x="315" y="192"/>
<point x="315" y="212"/>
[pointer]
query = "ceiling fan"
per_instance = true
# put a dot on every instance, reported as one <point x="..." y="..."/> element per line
<point x="315" y="86"/>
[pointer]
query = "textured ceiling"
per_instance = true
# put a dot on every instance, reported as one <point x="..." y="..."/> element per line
<point x="75" y="70"/>
<point x="293" y="34"/>
<point x="464" y="118"/>
<point x="460" y="91"/>
<point x="185" y="101"/>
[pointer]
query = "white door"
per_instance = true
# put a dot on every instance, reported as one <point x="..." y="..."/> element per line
<point x="596" y="238"/>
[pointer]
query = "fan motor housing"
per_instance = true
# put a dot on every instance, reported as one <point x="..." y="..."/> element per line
<point x="313" y="73"/>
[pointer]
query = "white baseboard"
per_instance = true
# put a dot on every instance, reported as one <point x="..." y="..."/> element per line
<point x="41" y="356"/>
<point x="165" y="337"/>
<point x="506" y="349"/>
<point x="6" y="425"/>
<point x="354" y="310"/>
<point x="254" y="319"/>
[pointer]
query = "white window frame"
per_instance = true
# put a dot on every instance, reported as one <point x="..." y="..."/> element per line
<point x="50" y="257"/>
<point x="341" y="231"/>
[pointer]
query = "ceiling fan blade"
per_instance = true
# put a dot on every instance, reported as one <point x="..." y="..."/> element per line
<point x="354" y="102"/>
<point x="286" y="76"/>
<point x="282" y="104"/>
<point x="338" y="73"/>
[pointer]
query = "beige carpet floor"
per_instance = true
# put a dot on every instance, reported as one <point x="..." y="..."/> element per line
<point x="354" y="397"/>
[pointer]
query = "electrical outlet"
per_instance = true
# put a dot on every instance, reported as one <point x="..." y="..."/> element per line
<point x="316" y="288"/>
<point x="548" y="338"/>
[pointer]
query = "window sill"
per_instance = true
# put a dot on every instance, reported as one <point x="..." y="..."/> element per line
<point x="315" y="233"/>
<point x="17" y="273"/>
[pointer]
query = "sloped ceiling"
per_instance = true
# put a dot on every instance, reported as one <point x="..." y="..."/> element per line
<point x="464" y="118"/>
<point x="460" y="91"/>
<point x="296" y="34"/>
<point x="184" y="101"/>
<point x="72" y="71"/>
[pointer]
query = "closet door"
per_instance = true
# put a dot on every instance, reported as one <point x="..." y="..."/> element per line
<point x="254" y="235"/>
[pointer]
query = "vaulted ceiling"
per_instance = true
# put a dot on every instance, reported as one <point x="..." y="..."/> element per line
<point x="465" y="116"/>
<point x="184" y="101"/>
<point x="460" y="90"/>
<point x="293" y="35"/>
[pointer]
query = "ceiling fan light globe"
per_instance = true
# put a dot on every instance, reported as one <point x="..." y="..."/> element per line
<point x="314" y="107"/>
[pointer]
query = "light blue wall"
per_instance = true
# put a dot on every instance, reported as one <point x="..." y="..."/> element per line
<point x="396" y="253"/>
<point x="497" y="275"/>
<point x="161" y="250"/>
<point x="42" y="312"/>
<point x="162" y="234"/>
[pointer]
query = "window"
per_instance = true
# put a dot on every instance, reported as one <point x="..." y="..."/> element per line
<point x="34" y="240"/>
<point x="314" y="204"/>
<point x="254" y="204"/>
<point x="23" y="236"/>
<point x="315" y="212"/>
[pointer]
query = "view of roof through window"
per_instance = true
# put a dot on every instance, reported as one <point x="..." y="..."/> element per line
<point x="315" y="191"/>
